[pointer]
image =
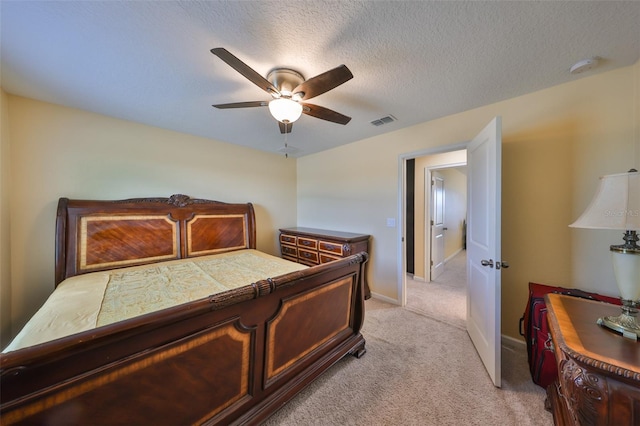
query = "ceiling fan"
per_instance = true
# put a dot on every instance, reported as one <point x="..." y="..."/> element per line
<point x="289" y="89"/>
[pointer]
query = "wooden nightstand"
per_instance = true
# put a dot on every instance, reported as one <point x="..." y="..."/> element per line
<point x="312" y="246"/>
<point x="598" y="370"/>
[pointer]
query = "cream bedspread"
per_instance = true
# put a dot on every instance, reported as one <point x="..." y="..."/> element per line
<point x="87" y="301"/>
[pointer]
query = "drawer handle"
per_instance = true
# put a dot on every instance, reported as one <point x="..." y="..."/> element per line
<point x="306" y="243"/>
<point x="306" y="254"/>
<point x="330" y="247"/>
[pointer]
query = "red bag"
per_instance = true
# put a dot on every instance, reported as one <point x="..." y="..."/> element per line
<point x="535" y="329"/>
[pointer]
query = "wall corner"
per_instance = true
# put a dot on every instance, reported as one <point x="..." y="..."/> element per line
<point x="5" y="221"/>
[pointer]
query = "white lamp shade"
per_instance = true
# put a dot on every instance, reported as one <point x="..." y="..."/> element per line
<point x="285" y="110"/>
<point x="616" y="204"/>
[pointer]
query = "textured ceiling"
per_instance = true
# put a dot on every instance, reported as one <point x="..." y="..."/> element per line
<point x="150" y="62"/>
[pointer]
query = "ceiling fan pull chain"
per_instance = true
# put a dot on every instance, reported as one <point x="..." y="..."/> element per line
<point x="286" y="154"/>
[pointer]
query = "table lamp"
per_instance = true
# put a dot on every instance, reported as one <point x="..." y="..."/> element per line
<point x="616" y="205"/>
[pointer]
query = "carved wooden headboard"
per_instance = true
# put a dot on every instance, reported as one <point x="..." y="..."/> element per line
<point x="93" y="235"/>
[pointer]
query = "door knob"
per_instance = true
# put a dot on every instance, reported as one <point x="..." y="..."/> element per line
<point x="488" y="263"/>
<point x="503" y="265"/>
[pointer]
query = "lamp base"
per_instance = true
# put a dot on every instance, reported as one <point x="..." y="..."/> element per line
<point x="625" y="323"/>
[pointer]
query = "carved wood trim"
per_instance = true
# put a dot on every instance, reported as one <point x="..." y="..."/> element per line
<point x="585" y="391"/>
<point x="177" y="200"/>
<point x="600" y="365"/>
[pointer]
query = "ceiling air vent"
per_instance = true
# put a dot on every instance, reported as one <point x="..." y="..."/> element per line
<point x="383" y="120"/>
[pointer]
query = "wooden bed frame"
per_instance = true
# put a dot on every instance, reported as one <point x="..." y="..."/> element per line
<point x="231" y="358"/>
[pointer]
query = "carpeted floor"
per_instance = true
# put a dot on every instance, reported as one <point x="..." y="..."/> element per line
<point x="445" y="298"/>
<point x="420" y="369"/>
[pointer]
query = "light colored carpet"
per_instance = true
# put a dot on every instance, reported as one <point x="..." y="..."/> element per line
<point x="443" y="299"/>
<point x="417" y="371"/>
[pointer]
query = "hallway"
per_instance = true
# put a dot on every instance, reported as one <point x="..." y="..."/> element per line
<point x="445" y="299"/>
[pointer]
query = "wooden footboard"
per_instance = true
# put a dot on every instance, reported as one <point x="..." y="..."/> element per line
<point x="234" y="358"/>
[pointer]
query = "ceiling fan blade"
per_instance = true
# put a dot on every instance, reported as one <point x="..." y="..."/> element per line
<point x="324" y="82"/>
<point x="285" y="127"/>
<point x="324" y="113"/>
<point x="245" y="70"/>
<point x="242" y="105"/>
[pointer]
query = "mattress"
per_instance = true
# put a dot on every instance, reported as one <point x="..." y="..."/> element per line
<point x="87" y="301"/>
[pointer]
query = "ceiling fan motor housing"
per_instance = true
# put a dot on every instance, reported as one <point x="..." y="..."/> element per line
<point x="285" y="79"/>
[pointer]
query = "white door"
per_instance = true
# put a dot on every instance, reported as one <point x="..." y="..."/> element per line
<point x="437" y="225"/>
<point x="483" y="246"/>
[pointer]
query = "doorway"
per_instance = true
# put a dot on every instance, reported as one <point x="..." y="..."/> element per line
<point x="420" y="171"/>
<point x="438" y="289"/>
<point x="483" y="241"/>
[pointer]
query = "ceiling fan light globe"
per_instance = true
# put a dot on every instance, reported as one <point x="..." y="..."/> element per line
<point x="285" y="110"/>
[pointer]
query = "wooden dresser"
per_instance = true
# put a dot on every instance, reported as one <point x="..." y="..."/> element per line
<point x="312" y="246"/>
<point x="598" y="370"/>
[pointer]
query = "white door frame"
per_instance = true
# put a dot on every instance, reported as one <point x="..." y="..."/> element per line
<point x="402" y="191"/>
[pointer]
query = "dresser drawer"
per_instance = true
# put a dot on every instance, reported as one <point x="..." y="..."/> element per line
<point x="288" y="239"/>
<point x="289" y="251"/>
<point x="329" y="247"/>
<point x="325" y="258"/>
<point x="308" y="256"/>
<point x="308" y="243"/>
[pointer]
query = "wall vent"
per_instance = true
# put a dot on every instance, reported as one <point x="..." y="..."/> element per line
<point x="383" y="120"/>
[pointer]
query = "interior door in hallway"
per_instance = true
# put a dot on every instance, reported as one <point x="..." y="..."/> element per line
<point x="483" y="246"/>
<point x="437" y="224"/>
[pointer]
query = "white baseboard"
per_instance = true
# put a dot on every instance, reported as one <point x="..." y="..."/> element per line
<point x="384" y="298"/>
<point x="453" y="255"/>
<point x="512" y="341"/>
<point x="425" y="280"/>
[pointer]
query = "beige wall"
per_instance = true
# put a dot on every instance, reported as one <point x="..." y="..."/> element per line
<point x="64" y="152"/>
<point x="636" y="81"/>
<point x="455" y="206"/>
<point x="5" y="258"/>
<point x="556" y="143"/>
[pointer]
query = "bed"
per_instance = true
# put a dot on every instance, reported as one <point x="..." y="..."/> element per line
<point x="232" y="357"/>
